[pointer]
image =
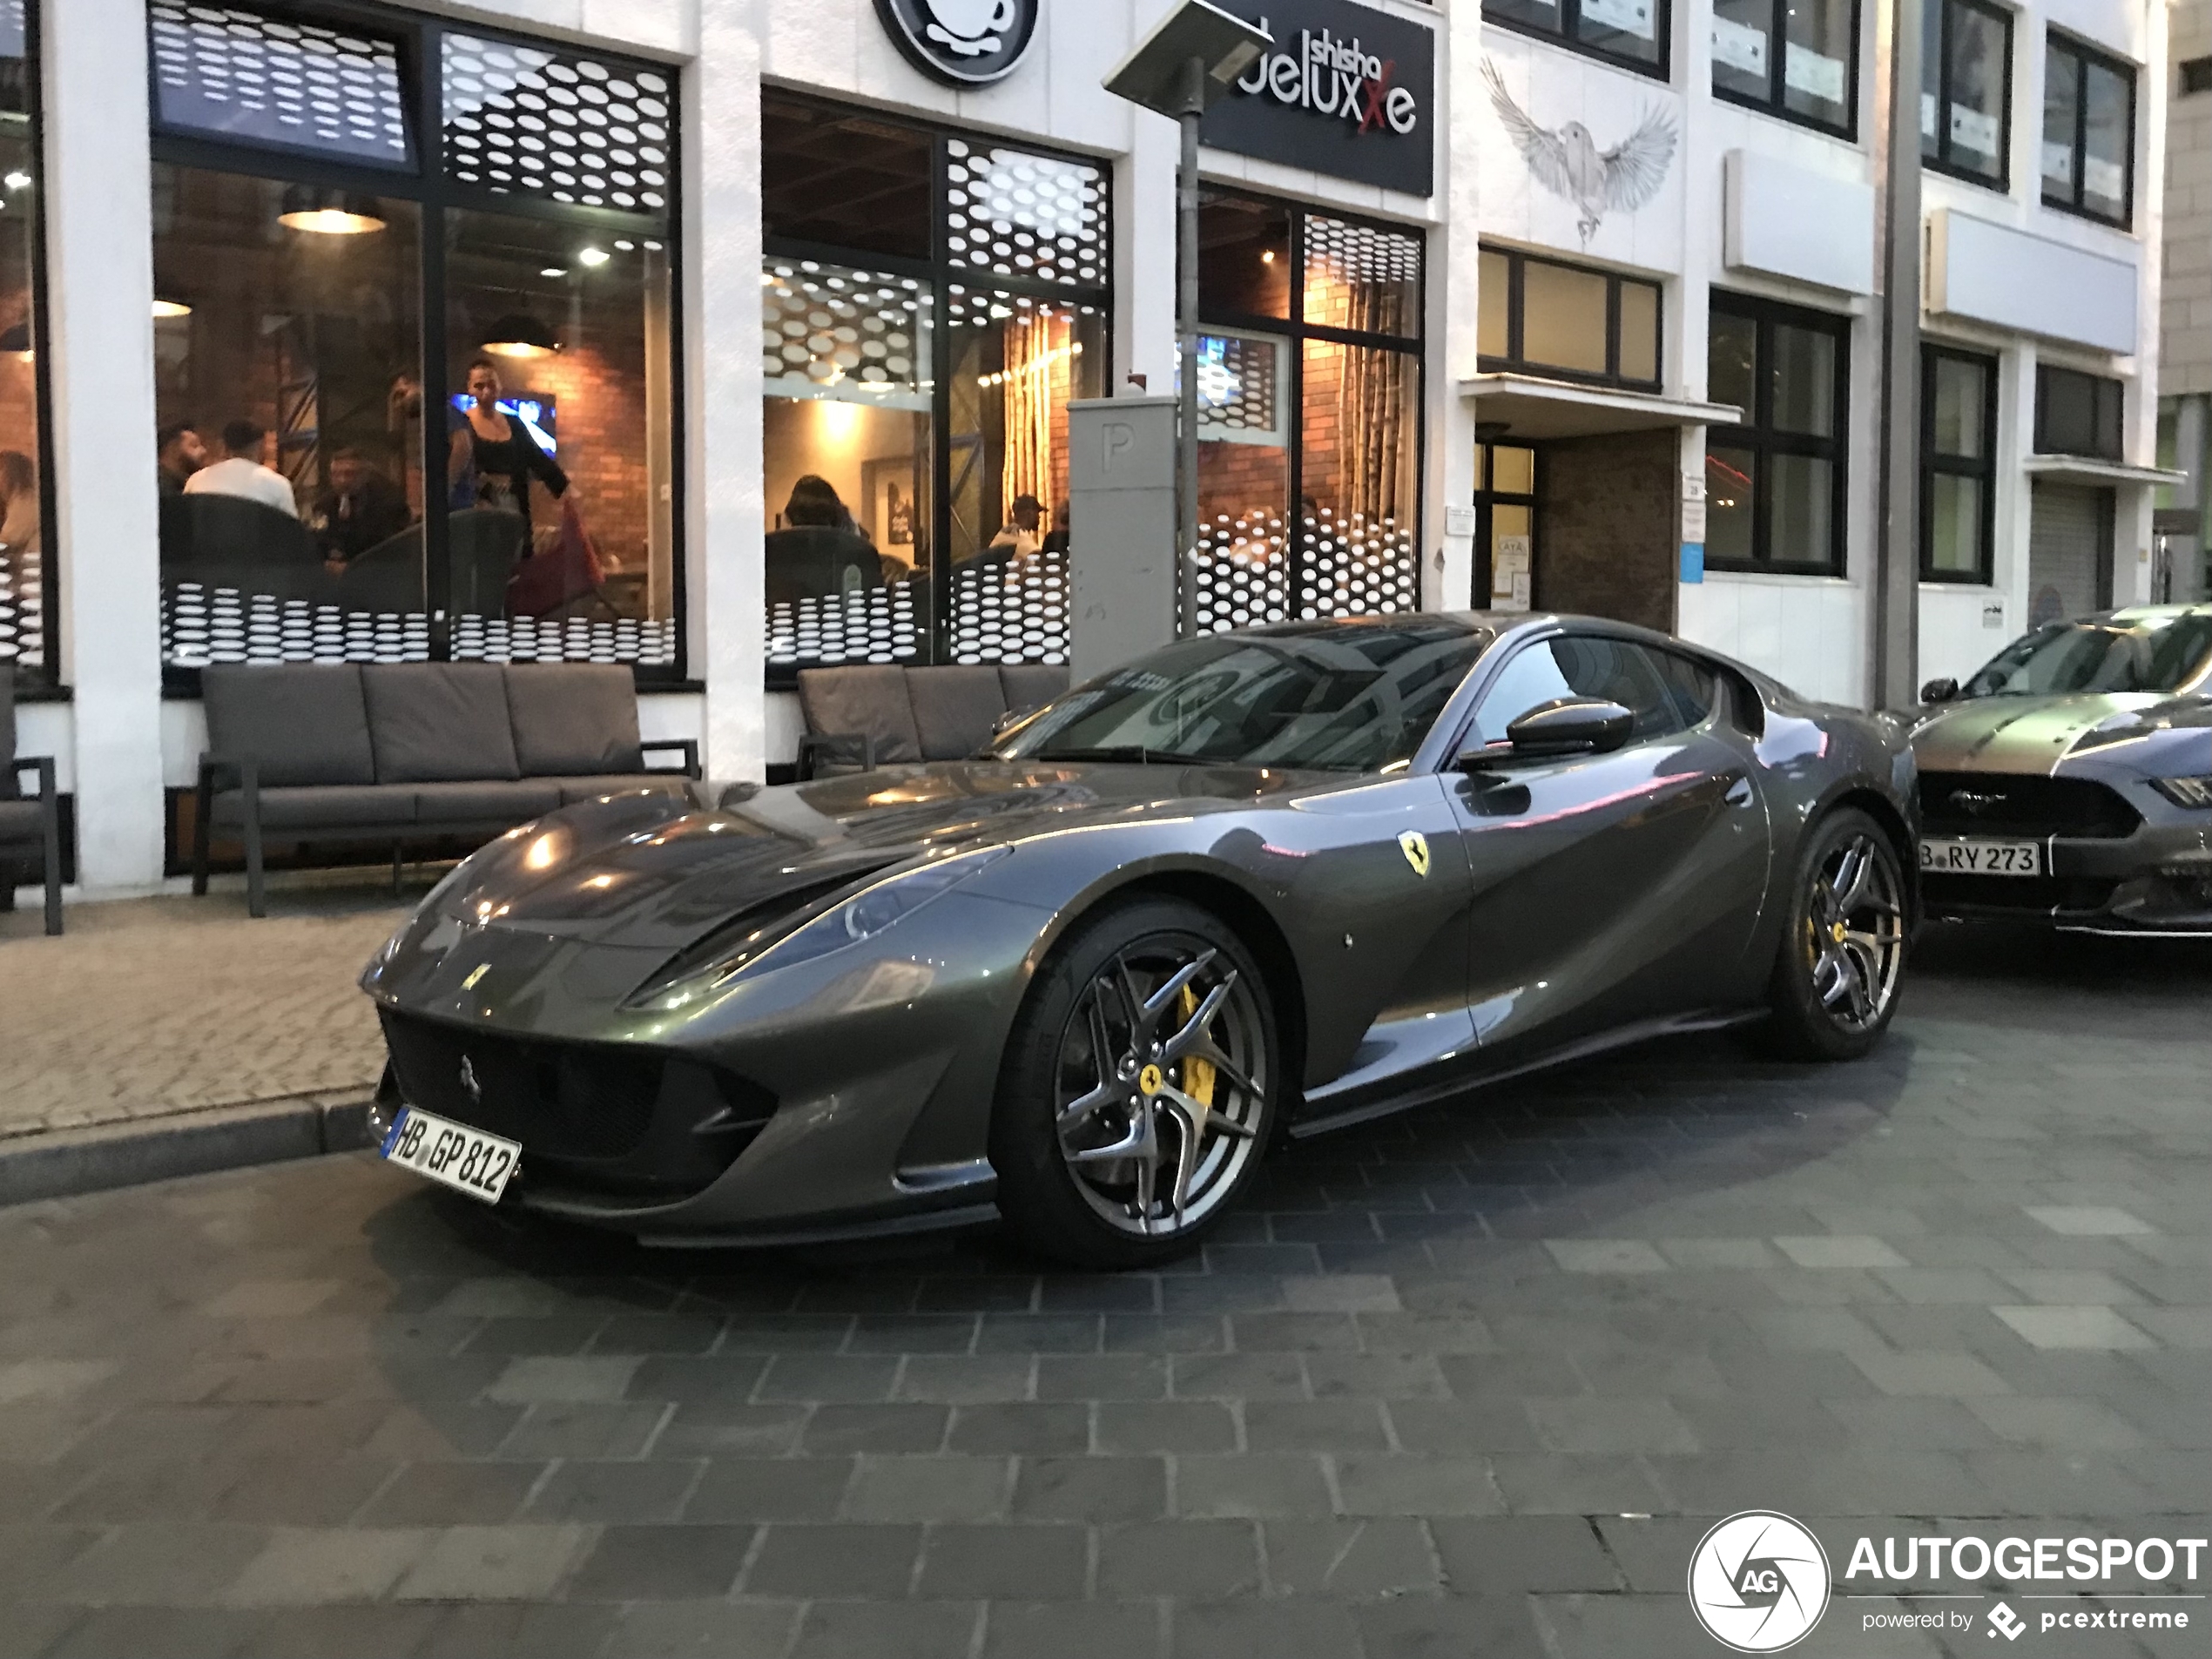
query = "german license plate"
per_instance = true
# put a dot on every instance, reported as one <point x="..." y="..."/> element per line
<point x="468" y="1160"/>
<point x="1978" y="855"/>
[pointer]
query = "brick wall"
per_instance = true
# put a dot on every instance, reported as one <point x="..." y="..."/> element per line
<point x="1608" y="520"/>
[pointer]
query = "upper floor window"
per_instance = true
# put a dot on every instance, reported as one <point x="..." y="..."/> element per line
<point x="1958" y="464"/>
<point x="1774" y="483"/>
<point x="2088" y="132"/>
<point x="1811" y="77"/>
<point x="28" y="607"/>
<point x="2077" y="413"/>
<point x="1567" y="321"/>
<point x="1629" y="32"/>
<point x="1965" y="89"/>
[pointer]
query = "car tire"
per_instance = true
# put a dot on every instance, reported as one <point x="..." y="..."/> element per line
<point x="1062" y="1191"/>
<point x="1839" y="969"/>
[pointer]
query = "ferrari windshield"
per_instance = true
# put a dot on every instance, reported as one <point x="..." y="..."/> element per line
<point x="2122" y="653"/>
<point x="1338" y="697"/>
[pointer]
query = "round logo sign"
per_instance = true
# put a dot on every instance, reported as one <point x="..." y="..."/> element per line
<point x="962" y="42"/>
<point x="1758" y="1582"/>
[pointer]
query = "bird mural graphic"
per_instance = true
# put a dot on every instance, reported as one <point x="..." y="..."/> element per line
<point x="1568" y="162"/>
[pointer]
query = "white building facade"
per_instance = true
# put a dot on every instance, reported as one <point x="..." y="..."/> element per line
<point x="1571" y="305"/>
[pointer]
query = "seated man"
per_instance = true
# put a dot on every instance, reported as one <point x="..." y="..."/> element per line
<point x="361" y="509"/>
<point x="240" y="472"/>
<point x="178" y="454"/>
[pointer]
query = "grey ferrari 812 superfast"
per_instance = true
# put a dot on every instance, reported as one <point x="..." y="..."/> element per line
<point x="1251" y="885"/>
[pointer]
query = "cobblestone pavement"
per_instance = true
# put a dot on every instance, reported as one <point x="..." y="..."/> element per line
<point x="1468" y="1382"/>
<point x="147" y="1006"/>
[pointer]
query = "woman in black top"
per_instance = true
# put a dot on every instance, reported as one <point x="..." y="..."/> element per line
<point x="493" y="457"/>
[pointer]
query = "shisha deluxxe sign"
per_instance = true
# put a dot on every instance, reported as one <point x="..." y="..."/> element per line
<point x="1347" y="91"/>
<point x="961" y="43"/>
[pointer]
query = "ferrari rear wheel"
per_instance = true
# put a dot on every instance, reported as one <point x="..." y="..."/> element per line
<point x="1138" y="1091"/>
<point x="1842" y="960"/>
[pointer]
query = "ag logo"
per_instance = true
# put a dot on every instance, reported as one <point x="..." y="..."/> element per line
<point x="2006" y="1622"/>
<point x="1415" y="845"/>
<point x="961" y="43"/>
<point x="1758" y="1582"/>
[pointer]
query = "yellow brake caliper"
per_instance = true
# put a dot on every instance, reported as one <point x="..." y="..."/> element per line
<point x="1198" y="1074"/>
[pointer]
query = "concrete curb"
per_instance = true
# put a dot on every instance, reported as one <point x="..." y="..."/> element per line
<point x="60" y="1162"/>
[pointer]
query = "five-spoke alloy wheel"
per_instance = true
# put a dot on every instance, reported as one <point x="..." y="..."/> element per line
<point x="1842" y="959"/>
<point x="1138" y="1090"/>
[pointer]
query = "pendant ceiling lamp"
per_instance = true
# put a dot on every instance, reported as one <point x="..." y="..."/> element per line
<point x="520" y="334"/>
<point x="330" y="213"/>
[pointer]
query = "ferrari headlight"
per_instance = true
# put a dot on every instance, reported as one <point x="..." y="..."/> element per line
<point x="847" y="922"/>
<point x="2185" y="792"/>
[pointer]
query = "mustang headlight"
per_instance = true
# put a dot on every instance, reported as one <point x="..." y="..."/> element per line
<point x="2185" y="792"/>
<point x="846" y="922"/>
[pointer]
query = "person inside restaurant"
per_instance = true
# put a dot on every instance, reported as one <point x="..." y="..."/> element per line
<point x="493" y="456"/>
<point x="1018" y="538"/>
<point x="180" y="452"/>
<point x="360" y="509"/>
<point x="818" y="551"/>
<point x="240" y="472"/>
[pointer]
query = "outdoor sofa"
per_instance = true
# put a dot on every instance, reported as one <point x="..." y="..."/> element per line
<point x="862" y="717"/>
<point x="397" y="753"/>
<point x="31" y="826"/>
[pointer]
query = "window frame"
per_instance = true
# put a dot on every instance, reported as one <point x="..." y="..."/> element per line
<point x="48" y="679"/>
<point x="1756" y="433"/>
<point x="2085" y="56"/>
<point x="421" y="38"/>
<point x="940" y="273"/>
<point x="1940" y="162"/>
<point x="1775" y="103"/>
<point x="1570" y="15"/>
<point x="1515" y="362"/>
<point x="2099" y="385"/>
<point x="1296" y="331"/>
<point x="1933" y="462"/>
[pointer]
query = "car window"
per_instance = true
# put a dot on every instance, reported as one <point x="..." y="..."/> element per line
<point x="1581" y="665"/>
<point x="2157" y="653"/>
<point x="1693" y="688"/>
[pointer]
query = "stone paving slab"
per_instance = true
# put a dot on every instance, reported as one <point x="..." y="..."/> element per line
<point x="1471" y="1381"/>
<point x="147" y="1008"/>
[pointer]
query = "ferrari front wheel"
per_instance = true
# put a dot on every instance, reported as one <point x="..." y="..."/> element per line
<point x="1842" y="960"/>
<point x="1139" y="1087"/>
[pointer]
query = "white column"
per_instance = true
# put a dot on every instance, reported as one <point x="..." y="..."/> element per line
<point x="725" y="516"/>
<point x="1448" y="561"/>
<point x="1144" y="337"/>
<point x="99" y="283"/>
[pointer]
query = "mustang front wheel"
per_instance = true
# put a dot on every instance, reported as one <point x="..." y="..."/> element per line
<point x="1138" y="1089"/>
<point x="1841" y="960"/>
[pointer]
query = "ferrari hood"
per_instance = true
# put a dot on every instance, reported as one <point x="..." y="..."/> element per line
<point x="2035" y="735"/>
<point x="640" y="874"/>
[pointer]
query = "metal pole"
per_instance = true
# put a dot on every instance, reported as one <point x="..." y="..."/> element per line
<point x="1186" y="323"/>
<point x="1893" y="619"/>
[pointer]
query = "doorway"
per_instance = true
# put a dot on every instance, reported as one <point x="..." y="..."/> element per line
<point x="1505" y="527"/>
<point x="2070" y="551"/>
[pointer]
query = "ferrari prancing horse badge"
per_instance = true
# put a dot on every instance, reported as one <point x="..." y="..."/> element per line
<point x="1415" y="845"/>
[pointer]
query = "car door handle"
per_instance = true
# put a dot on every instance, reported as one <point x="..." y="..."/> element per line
<point x="1739" y="792"/>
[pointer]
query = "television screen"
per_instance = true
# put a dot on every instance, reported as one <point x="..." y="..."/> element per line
<point x="533" y="409"/>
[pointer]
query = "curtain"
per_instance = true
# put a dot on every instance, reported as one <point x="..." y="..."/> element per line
<point x="1029" y="361"/>
<point x="1375" y="413"/>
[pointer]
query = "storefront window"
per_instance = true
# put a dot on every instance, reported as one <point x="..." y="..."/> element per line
<point x="2088" y="131"/>
<point x="2077" y="413"/>
<point x="1813" y="79"/>
<point x="27" y="598"/>
<point x="917" y="393"/>
<point x="1308" y="415"/>
<point x="1958" y="464"/>
<point x="1774" y="483"/>
<point x="1629" y="32"/>
<point x="1546" y="317"/>
<point x="1965" y="89"/>
<point x="415" y="391"/>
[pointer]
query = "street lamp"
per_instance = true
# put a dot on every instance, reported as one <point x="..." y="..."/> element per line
<point x="1184" y="65"/>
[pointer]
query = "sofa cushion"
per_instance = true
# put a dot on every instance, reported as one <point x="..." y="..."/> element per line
<point x="617" y="783"/>
<point x="954" y="709"/>
<point x="322" y="807"/>
<point x="871" y="701"/>
<point x="21" y="825"/>
<point x="571" y="719"/>
<point x="298" y="723"/>
<point x="1031" y="685"/>
<point x="470" y="804"/>
<point x="8" y="786"/>
<point x="439" y="721"/>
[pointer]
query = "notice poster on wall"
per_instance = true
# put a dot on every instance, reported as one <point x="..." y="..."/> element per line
<point x="1511" y="560"/>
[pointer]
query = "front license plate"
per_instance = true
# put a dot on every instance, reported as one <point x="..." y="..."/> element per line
<point x="1975" y="855"/>
<point x="465" y="1159"/>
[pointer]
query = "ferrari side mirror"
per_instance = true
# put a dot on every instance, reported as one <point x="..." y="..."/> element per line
<point x="1940" y="690"/>
<point x="1566" y="725"/>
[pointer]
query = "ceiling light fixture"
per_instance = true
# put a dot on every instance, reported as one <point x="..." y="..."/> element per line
<point x="553" y="271"/>
<point x="593" y="256"/>
<point x="330" y="213"/>
<point x="167" y="305"/>
<point x="18" y="180"/>
<point x="16" y="341"/>
<point x="520" y="334"/>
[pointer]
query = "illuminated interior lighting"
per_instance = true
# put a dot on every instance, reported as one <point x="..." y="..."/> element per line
<point x="164" y="307"/>
<point x="553" y="271"/>
<point x="627" y="247"/>
<point x="1267" y="256"/>
<point x="328" y="213"/>
<point x="16" y="181"/>
<point x="1036" y="365"/>
<point x="593" y="256"/>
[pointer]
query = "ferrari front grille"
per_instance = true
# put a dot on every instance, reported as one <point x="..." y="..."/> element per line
<point x="1978" y="803"/>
